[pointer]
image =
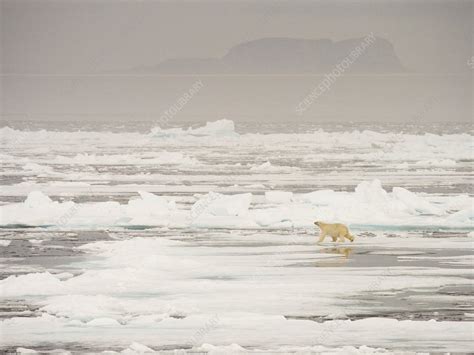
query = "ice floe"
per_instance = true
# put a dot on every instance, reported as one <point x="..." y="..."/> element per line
<point x="217" y="128"/>
<point x="369" y="205"/>
<point x="194" y="295"/>
<point x="38" y="209"/>
<point x="278" y="196"/>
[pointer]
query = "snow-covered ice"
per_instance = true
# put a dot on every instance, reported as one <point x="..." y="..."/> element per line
<point x="368" y="205"/>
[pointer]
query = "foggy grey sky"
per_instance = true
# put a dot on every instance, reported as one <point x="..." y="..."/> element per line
<point x="51" y="50"/>
<point x="101" y="35"/>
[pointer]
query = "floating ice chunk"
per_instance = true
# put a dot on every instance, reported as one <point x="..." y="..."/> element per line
<point x="103" y="322"/>
<point x="88" y="307"/>
<point x="459" y="202"/>
<point x="149" y="319"/>
<point x="5" y="243"/>
<point x="153" y="200"/>
<point x="222" y="211"/>
<point x="82" y="307"/>
<point x="371" y="204"/>
<point x="217" y="128"/>
<point x="221" y="350"/>
<point x="222" y="205"/>
<point x="39" y="209"/>
<point x="413" y="202"/>
<point x="25" y="351"/>
<point x="149" y="254"/>
<point x="99" y="213"/>
<point x="220" y="128"/>
<point x="465" y="216"/>
<point x="397" y="203"/>
<point x="372" y="193"/>
<point x="235" y="222"/>
<point x="137" y="348"/>
<point x="320" y="197"/>
<point x="64" y="275"/>
<point x="273" y="217"/>
<point x="150" y="209"/>
<point x="30" y="284"/>
<point x="37" y="199"/>
<point x="278" y="196"/>
<point x="268" y="167"/>
<point x="265" y="166"/>
<point x="255" y="186"/>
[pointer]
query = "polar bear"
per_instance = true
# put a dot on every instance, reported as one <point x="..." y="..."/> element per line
<point x="334" y="230"/>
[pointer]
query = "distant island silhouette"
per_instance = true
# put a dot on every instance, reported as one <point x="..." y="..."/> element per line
<point x="287" y="56"/>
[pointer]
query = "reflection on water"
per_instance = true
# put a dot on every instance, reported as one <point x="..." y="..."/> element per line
<point x="341" y="256"/>
<point x="346" y="251"/>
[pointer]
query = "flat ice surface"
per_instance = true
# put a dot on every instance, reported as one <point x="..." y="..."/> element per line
<point x="202" y="240"/>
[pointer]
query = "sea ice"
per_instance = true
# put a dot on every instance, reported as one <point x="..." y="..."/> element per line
<point x="278" y="196"/>
<point x="370" y="205"/>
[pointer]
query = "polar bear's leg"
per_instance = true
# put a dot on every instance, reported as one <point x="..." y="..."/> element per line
<point x="321" y="237"/>
<point x="350" y="237"/>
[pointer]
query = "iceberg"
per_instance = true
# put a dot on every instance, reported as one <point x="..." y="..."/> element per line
<point x="222" y="205"/>
<point x="220" y="128"/>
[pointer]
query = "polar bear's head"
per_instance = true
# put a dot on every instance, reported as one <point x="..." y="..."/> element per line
<point x="316" y="223"/>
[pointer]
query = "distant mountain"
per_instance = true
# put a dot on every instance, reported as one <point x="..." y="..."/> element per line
<point x="288" y="56"/>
